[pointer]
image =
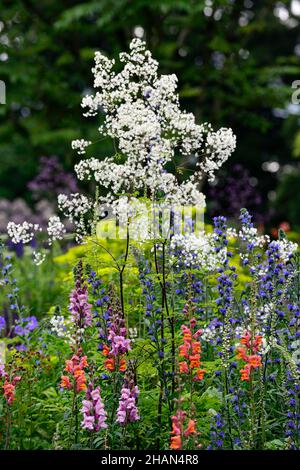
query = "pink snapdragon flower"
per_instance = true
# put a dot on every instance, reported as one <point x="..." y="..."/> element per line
<point x="119" y="344"/>
<point x="128" y="411"/>
<point x="79" y="306"/>
<point x="117" y="336"/>
<point x="94" y="414"/>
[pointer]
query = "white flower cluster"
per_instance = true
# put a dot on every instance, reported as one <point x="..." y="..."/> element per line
<point x="286" y="248"/>
<point x="219" y="146"/>
<point x="250" y="235"/>
<point x="197" y="250"/>
<point x="55" y="229"/>
<point x="38" y="257"/>
<point x="265" y="311"/>
<point x="210" y="333"/>
<point x="74" y="206"/>
<point x="22" y="233"/>
<point x="61" y="327"/>
<point x="80" y="145"/>
<point x="143" y="116"/>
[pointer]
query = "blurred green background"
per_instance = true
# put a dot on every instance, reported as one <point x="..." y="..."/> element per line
<point x="235" y="60"/>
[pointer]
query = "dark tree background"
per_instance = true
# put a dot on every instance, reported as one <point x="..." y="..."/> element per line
<point x="236" y="61"/>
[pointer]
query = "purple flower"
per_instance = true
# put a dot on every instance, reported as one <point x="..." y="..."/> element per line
<point x="128" y="411"/>
<point x="19" y="330"/>
<point x="117" y="334"/>
<point x="32" y="323"/>
<point x="94" y="414"/>
<point x="79" y="305"/>
<point x="2" y="323"/>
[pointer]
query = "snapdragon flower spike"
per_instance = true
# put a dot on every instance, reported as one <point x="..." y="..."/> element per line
<point x="127" y="411"/>
<point x="117" y="344"/>
<point x="9" y="385"/>
<point x="190" y="350"/>
<point x="76" y="378"/>
<point x="179" y="432"/>
<point x="79" y="307"/>
<point x="117" y="337"/>
<point x="94" y="414"/>
<point x="248" y="352"/>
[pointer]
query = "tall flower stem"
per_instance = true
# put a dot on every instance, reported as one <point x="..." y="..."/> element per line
<point x="8" y="427"/>
<point x="170" y="319"/>
<point x="161" y="348"/>
<point x="121" y="273"/>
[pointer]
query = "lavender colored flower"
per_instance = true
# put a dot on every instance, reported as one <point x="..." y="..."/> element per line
<point x="25" y="326"/>
<point x="79" y="305"/>
<point x="2" y="323"/>
<point x="128" y="411"/>
<point x="117" y="336"/>
<point x="94" y="414"/>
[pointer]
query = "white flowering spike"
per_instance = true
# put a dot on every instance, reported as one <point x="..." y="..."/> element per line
<point x="142" y="115"/>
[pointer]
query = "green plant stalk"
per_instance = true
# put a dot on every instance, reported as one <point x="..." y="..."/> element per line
<point x="8" y="427"/>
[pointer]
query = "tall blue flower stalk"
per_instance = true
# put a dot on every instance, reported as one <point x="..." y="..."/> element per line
<point x="101" y="308"/>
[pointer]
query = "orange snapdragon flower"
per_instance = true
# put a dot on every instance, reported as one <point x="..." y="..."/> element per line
<point x="200" y="374"/>
<point x="65" y="382"/>
<point x="196" y="347"/>
<point x="111" y="360"/>
<point x="178" y="432"/>
<point x="105" y="350"/>
<point x="241" y="354"/>
<point x="191" y="428"/>
<point x="75" y="368"/>
<point x="245" y="372"/>
<point x="109" y="364"/>
<point x="9" y="386"/>
<point x="187" y="335"/>
<point x="195" y="361"/>
<point x="257" y="343"/>
<point x="247" y="353"/>
<point x="245" y="339"/>
<point x="183" y="350"/>
<point x="254" y="361"/>
<point x="183" y="368"/>
<point x="191" y="350"/>
<point x="176" y="443"/>
<point x="9" y="392"/>
<point x="81" y="382"/>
